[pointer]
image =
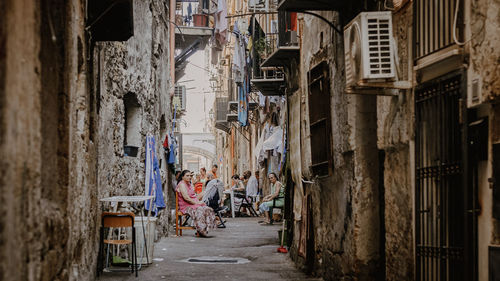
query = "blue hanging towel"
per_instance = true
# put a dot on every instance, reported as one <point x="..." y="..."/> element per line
<point x="153" y="177"/>
<point x="242" y="105"/>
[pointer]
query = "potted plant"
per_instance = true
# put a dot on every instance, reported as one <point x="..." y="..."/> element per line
<point x="262" y="47"/>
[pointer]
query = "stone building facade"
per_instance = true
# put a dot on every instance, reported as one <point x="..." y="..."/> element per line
<point x="54" y="124"/>
<point x="410" y="172"/>
<point x="132" y="90"/>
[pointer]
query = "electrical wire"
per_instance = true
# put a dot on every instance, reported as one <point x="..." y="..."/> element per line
<point x="455" y="25"/>
<point x="209" y="71"/>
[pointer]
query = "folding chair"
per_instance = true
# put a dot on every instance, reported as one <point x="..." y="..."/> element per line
<point x="116" y="220"/>
<point x="245" y="203"/>
<point x="181" y="219"/>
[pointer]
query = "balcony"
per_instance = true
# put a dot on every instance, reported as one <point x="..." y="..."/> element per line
<point x="311" y="5"/>
<point x="221" y="105"/>
<point x="285" y="46"/>
<point x="192" y="19"/>
<point x="270" y="81"/>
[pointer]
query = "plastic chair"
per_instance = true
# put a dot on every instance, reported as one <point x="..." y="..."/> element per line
<point x="117" y="220"/>
<point x="275" y="206"/>
<point x="180" y="224"/>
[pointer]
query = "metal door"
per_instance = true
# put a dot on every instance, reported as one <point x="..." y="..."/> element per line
<point x="440" y="195"/>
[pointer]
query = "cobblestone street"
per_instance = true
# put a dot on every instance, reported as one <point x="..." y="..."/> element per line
<point x="243" y="238"/>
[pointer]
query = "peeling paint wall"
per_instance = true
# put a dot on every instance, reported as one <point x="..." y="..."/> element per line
<point x="344" y="212"/>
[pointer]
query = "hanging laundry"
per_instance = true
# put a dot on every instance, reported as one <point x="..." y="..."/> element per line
<point x="275" y="141"/>
<point x="262" y="100"/>
<point x="243" y="105"/>
<point x="153" y="178"/>
<point x="171" y="154"/>
<point x="221" y="23"/>
<point x="239" y="56"/>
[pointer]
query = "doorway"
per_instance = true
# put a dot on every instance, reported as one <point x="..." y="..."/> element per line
<point x="442" y="195"/>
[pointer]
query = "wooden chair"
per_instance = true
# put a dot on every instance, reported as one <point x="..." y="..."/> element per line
<point x="117" y="220"/>
<point x="181" y="219"/>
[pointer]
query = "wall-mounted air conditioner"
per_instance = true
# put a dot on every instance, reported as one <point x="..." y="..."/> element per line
<point x="369" y="49"/>
<point x="179" y="99"/>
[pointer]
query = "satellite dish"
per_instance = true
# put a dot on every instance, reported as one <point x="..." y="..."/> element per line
<point x="355" y="51"/>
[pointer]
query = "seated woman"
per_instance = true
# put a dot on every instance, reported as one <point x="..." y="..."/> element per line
<point x="238" y="187"/>
<point x="277" y="192"/>
<point x="189" y="203"/>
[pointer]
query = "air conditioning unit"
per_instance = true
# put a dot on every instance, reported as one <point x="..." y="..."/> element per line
<point x="291" y="38"/>
<point x="256" y="5"/>
<point x="369" y="49"/>
<point x="179" y="99"/>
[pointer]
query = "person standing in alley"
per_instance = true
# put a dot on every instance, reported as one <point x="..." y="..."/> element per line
<point x="203" y="176"/>
<point x="214" y="171"/>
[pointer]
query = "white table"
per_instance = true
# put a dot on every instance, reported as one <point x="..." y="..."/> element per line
<point x="129" y="199"/>
<point x="231" y="194"/>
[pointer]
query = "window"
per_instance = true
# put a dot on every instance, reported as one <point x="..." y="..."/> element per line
<point x="132" y="120"/>
<point x="433" y="21"/>
<point x="319" y="120"/>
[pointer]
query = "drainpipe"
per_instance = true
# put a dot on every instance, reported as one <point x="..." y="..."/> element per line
<point x="172" y="46"/>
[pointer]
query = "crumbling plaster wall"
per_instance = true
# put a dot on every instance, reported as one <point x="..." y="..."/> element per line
<point x="48" y="192"/>
<point x="395" y="134"/>
<point x="139" y="66"/>
<point x="345" y="208"/>
<point x="484" y="41"/>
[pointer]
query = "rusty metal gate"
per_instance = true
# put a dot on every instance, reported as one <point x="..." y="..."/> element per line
<point x="440" y="196"/>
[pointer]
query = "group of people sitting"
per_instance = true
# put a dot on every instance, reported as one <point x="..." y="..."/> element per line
<point x="199" y="197"/>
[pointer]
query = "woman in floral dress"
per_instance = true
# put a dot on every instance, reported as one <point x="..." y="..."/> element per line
<point x="189" y="203"/>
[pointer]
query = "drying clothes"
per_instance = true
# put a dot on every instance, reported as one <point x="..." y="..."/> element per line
<point x="153" y="177"/>
<point x="275" y="141"/>
<point x="239" y="57"/>
<point x="221" y="23"/>
<point x="262" y="100"/>
<point x="165" y="143"/>
<point x="243" y="105"/>
<point x="171" y="153"/>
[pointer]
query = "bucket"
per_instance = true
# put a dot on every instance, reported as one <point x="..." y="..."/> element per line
<point x="200" y="20"/>
<point x="149" y="229"/>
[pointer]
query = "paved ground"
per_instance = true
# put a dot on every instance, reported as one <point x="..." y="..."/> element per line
<point x="243" y="238"/>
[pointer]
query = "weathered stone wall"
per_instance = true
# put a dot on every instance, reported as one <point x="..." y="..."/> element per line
<point x="344" y="212"/>
<point x="48" y="190"/>
<point x="484" y="42"/>
<point x="140" y="67"/>
<point x="395" y="130"/>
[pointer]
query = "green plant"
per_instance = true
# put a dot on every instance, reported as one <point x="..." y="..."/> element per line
<point x="262" y="47"/>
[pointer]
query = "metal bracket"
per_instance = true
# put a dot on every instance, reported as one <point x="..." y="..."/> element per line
<point x="379" y="88"/>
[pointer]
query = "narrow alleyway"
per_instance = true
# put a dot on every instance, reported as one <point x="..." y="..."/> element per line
<point x="243" y="238"/>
